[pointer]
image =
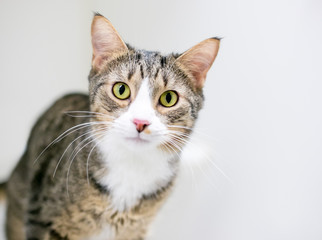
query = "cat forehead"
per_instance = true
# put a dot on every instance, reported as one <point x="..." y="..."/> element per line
<point x="150" y="58"/>
<point x="137" y="65"/>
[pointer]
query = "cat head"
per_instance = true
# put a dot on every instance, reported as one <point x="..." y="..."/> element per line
<point x="146" y="100"/>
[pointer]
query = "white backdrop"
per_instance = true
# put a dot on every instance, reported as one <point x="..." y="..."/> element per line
<point x="262" y="119"/>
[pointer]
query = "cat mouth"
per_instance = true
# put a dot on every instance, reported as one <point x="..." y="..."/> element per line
<point x="137" y="140"/>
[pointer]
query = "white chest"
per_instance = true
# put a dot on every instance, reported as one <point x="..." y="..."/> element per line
<point x="132" y="175"/>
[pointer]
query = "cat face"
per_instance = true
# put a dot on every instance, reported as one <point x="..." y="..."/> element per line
<point x="147" y="108"/>
<point x="147" y="100"/>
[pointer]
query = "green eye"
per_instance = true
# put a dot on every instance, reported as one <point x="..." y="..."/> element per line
<point x="169" y="98"/>
<point x="121" y="90"/>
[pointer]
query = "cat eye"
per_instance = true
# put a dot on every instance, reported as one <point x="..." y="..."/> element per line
<point x="121" y="90"/>
<point x="168" y="99"/>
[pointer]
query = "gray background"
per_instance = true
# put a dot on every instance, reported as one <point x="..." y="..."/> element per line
<point x="261" y="126"/>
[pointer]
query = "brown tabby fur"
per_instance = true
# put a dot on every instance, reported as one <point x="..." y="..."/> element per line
<point x="42" y="206"/>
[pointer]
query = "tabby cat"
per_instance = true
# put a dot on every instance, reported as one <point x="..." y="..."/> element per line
<point x="118" y="149"/>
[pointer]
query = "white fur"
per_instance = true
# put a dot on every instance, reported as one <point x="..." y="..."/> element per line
<point x="135" y="165"/>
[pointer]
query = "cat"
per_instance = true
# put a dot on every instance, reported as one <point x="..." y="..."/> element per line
<point x="118" y="148"/>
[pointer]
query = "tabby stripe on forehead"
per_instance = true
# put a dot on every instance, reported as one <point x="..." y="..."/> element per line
<point x="130" y="74"/>
<point x="138" y="56"/>
<point x="156" y="73"/>
<point x="142" y="73"/>
<point x="163" y="61"/>
<point x="165" y="79"/>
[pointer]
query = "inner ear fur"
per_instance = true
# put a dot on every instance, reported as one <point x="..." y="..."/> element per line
<point x="198" y="60"/>
<point x="106" y="42"/>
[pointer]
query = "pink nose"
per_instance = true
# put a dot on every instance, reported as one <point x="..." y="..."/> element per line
<point x="140" y="124"/>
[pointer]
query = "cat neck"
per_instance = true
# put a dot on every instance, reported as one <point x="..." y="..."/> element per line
<point x="131" y="175"/>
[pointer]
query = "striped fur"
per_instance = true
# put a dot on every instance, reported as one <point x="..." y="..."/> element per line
<point x="66" y="189"/>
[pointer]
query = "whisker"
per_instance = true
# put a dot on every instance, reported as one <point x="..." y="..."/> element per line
<point x="205" y="156"/>
<point x="87" y="114"/>
<point x="65" y="134"/>
<point x="191" y="170"/>
<point x="60" y="159"/>
<point x="98" y="131"/>
<point x="81" y="116"/>
<point x="179" y="126"/>
<point x="84" y="112"/>
<point x="88" y="157"/>
<point x="182" y="139"/>
<point x="99" y="134"/>
<point x="193" y="130"/>
<point x="173" y="150"/>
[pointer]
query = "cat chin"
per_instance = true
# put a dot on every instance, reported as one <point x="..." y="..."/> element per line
<point x="129" y="144"/>
<point x="137" y="140"/>
<point x="137" y="144"/>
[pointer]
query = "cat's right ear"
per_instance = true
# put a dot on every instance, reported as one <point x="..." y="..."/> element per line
<point x="106" y="41"/>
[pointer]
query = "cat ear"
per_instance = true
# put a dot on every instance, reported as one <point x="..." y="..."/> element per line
<point x="105" y="41"/>
<point x="198" y="59"/>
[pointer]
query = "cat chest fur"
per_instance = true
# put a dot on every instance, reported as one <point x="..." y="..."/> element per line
<point x="132" y="177"/>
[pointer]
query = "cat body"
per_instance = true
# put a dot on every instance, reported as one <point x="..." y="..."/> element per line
<point x="118" y="149"/>
<point x="41" y="204"/>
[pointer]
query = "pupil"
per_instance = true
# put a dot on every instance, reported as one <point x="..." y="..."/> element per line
<point x="168" y="97"/>
<point x="122" y="89"/>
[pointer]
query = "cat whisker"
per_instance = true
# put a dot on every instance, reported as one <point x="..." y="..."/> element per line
<point x="195" y="131"/>
<point x="73" y="155"/>
<point x="177" y="143"/>
<point x="120" y="128"/>
<point x="98" y="131"/>
<point x="60" y="159"/>
<point x="71" y="112"/>
<point x="87" y="114"/>
<point x="184" y="141"/>
<point x="88" y="157"/>
<point x="180" y="126"/>
<point x="81" y="116"/>
<point x="65" y="134"/>
<point x="189" y="166"/>
<point x="89" y="124"/>
<point x="180" y="134"/>
<point x="167" y="145"/>
<point x="200" y="168"/>
<point x="70" y="144"/>
<point x="206" y="157"/>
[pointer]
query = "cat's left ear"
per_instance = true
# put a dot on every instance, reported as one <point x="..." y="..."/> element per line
<point x="198" y="60"/>
<point x="105" y="40"/>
